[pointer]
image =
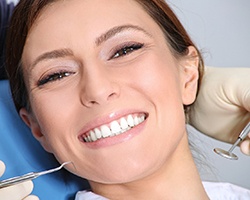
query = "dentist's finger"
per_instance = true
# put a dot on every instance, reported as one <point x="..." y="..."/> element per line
<point x="245" y="146"/>
<point x="17" y="192"/>
<point x="2" y="168"/>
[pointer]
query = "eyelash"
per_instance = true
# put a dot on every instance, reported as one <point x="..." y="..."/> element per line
<point x="122" y="51"/>
<point x="56" y="76"/>
<point x="126" y="49"/>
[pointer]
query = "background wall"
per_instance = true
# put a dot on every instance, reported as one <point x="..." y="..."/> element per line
<point x="221" y="29"/>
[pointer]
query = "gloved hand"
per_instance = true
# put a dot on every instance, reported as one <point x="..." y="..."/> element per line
<point x="222" y="108"/>
<point x="16" y="192"/>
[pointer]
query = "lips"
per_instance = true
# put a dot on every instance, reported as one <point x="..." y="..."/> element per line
<point x="114" y="128"/>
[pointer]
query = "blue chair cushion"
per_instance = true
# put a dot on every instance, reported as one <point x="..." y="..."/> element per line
<point x="21" y="154"/>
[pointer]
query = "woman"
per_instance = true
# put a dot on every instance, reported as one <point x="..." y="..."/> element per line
<point x="109" y="92"/>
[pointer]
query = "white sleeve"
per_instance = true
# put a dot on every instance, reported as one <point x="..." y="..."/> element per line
<point x="225" y="191"/>
<point x="215" y="191"/>
<point x="88" y="195"/>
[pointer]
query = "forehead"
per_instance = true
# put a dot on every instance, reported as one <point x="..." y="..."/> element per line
<point x="66" y="22"/>
<point x="95" y="13"/>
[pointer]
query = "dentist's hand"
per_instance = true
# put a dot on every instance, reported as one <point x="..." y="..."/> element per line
<point x="222" y="108"/>
<point x="16" y="192"/>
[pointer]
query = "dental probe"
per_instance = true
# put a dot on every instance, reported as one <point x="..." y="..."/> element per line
<point x="29" y="176"/>
<point x="228" y="154"/>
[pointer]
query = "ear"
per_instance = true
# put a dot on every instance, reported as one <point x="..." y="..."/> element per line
<point x="31" y="122"/>
<point x="189" y="76"/>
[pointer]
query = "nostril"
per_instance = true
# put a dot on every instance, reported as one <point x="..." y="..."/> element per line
<point x="112" y="96"/>
<point x="93" y="102"/>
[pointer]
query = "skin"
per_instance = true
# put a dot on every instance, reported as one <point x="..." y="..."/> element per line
<point x="100" y="88"/>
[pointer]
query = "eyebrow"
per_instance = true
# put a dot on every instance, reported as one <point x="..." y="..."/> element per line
<point x="118" y="29"/>
<point x="59" y="53"/>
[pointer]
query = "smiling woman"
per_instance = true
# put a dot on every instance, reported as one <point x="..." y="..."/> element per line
<point x="97" y="88"/>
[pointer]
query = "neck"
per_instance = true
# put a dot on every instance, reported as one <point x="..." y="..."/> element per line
<point x="177" y="179"/>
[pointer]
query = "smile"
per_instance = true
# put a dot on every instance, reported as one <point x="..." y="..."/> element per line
<point x="114" y="128"/>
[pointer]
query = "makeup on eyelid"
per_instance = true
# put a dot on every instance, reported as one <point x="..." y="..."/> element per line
<point x="55" y="76"/>
<point x="126" y="49"/>
<point x="50" y="69"/>
<point x="130" y="34"/>
<point x="123" y="38"/>
<point x="120" y="51"/>
<point x="54" y="73"/>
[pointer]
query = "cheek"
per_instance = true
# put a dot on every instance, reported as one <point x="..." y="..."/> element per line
<point x="53" y="111"/>
<point x="157" y="84"/>
<point x="158" y="79"/>
<point x="54" y="117"/>
<point x="164" y="91"/>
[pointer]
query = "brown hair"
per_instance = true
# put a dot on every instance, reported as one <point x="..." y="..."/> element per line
<point x="27" y="11"/>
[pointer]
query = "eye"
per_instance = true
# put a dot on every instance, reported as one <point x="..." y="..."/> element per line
<point x="126" y="49"/>
<point x="54" y="77"/>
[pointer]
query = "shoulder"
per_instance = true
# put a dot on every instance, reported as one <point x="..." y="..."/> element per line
<point x="225" y="191"/>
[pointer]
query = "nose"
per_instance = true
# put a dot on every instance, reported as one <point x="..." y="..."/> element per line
<point x="99" y="87"/>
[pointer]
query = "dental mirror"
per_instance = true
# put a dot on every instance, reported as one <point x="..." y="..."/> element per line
<point x="229" y="154"/>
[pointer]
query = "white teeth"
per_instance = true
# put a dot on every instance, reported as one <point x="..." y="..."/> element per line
<point x="130" y="121"/>
<point x="114" y="128"/>
<point x="124" y="123"/>
<point x="105" y="131"/>
<point x="98" y="133"/>
<point x="141" y="119"/>
<point x="89" y="138"/>
<point x="93" y="136"/>
<point x="136" y="120"/>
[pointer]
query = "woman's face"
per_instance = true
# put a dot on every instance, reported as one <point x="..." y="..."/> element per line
<point x="105" y="91"/>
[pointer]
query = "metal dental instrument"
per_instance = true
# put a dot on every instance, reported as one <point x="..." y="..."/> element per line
<point x="228" y="154"/>
<point x="28" y="176"/>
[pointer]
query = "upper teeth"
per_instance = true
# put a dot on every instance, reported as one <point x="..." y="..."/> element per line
<point x="114" y="128"/>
